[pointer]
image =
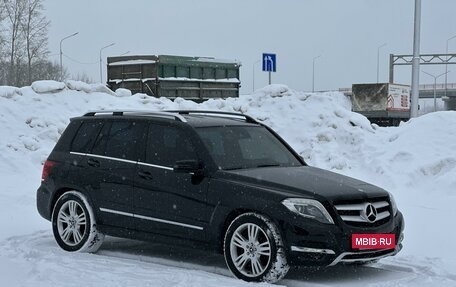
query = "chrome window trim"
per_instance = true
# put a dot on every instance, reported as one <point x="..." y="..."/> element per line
<point x="155" y="165"/>
<point x="122" y="160"/>
<point x="150" y="218"/>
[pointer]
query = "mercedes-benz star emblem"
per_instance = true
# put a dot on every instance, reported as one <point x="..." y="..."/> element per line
<point x="370" y="212"/>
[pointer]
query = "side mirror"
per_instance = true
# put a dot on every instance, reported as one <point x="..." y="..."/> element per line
<point x="187" y="166"/>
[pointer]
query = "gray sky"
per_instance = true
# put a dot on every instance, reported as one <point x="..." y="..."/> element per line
<point x="346" y="33"/>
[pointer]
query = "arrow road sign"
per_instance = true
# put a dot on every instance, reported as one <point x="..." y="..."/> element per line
<point x="269" y="62"/>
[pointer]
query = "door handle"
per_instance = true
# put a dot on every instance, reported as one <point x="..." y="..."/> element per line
<point x="93" y="162"/>
<point x="145" y="174"/>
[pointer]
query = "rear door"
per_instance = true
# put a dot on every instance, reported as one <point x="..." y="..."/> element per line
<point x="166" y="202"/>
<point x="108" y="170"/>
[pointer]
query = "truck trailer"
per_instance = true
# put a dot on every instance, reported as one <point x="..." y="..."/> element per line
<point x="192" y="78"/>
<point x="384" y="104"/>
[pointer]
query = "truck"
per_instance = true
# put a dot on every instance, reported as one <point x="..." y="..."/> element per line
<point x="192" y="78"/>
<point x="384" y="104"/>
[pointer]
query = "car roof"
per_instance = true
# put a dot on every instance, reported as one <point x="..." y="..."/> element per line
<point x="194" y="118"/>
<point x="198" y="121"/>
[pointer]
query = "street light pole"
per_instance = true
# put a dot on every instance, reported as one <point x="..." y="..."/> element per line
<point x="313" y="73"/>
<point x="61" y="53"/>
<point x="416" y="61"/>
<point x="435" y="86"/>
<point x="253" y="74"/>
<point x="101" y="75"/>
<point x="446" y="64"/>
<point x="378" y="59"/>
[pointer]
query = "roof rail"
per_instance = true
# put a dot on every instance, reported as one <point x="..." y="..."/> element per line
<point x="247" y="118"/>
<point x="166" y="114"/>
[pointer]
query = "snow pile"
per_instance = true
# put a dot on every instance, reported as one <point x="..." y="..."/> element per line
<point x="47" y="86"/>
<point x="420" y="155"/>
<point x="78" y="86"/>
<point x="123" y="92"/>
<point x="415" y="161"/>
<point x="9" y="92"/>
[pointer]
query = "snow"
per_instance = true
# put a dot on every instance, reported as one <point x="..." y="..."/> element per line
<point x="47" y="86"/>
<point x="227" y="80"/>
<point x="120" y="92"/>
<point x="132" y="62"/>
<point x="9" y="92"/>
<point x="415" y="161"/>
<point x="78" y="86"/>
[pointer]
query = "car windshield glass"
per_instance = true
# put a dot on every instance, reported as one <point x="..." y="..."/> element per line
<point x="241" y="147"/>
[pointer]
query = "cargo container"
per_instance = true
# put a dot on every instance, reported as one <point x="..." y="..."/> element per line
<point x="384" y="104"/>
<point x="193" y="78"/>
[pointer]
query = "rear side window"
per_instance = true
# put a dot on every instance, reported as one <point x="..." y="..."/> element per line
<point x="166" y="145"/>
<point x="120" y="139"/>
<point x="85" y="137"/>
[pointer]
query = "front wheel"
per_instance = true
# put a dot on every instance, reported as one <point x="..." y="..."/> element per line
<point x="254" y="250"/>
<point x="74" y="225"/>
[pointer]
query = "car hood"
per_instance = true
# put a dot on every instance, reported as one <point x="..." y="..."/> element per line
<point x="305" y="181"/>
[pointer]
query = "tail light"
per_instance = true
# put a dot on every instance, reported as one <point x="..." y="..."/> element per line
<point x="47" y="169"/>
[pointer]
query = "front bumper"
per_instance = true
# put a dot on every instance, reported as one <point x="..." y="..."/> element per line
<point x="328" y="245"/>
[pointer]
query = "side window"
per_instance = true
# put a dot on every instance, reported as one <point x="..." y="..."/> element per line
<point x="121" y="139"/>
<point x="85" y="136"/>
<point x="166" y="145"/>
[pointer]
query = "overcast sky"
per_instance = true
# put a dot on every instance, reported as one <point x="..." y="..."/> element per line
<point x="345" y="33"/>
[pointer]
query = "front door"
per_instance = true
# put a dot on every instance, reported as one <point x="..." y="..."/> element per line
<point x="166" y="202"/>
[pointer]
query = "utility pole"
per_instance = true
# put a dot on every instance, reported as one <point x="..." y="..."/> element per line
<point x="61" y="53"/>
<point x="446" y="65"/>
<point x="101" y="75"/>
<point x="435" y="86"/>
<point x="313" y="73"/>
<point x="378" y="59"/>
<point x="416" y="61"/>
<point x="253" y="75"/>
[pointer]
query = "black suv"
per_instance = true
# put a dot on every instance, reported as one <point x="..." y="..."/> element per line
<point x="209" y="179"/>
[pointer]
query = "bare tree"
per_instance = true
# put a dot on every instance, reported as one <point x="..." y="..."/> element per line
<point x="14" y="12"/>
<point x="35" y="30"/>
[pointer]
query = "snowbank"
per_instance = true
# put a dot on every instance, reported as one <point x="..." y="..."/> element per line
<point x="321" y="127"/>
<point x="415" y="161"/>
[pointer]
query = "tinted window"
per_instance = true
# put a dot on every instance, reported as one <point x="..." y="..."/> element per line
<point x="120" y="139"/>
<point x="245" y="147"/>
<point x="85" y="137"/>
<point x="166" y="145"/>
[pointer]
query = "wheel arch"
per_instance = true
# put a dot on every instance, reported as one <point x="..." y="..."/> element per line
<point x="61" y="191"/>
<point x="233" y="215"/>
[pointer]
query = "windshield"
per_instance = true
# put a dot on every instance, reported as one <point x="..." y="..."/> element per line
<point x="240" y="147"/>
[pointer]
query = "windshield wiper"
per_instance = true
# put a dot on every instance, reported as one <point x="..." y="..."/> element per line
<point x="268" y="165"/>
<point x="233" y="168"/>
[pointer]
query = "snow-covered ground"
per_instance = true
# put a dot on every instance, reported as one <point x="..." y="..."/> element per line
<point x="416" y="162"/>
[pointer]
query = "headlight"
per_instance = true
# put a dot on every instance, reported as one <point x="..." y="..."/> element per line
<point x="308" y="208"/>
<point x="393" y="204"/>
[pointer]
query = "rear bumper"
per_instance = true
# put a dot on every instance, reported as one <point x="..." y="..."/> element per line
<point x="43" y="201"/>
<point x="329" y="245"/>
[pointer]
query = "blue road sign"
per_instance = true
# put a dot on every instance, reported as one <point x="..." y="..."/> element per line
<point x="269" y="62"/>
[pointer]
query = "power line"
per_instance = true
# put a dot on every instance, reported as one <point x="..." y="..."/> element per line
<point x="79" y="62"/>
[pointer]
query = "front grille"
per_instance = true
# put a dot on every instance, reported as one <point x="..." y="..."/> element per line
<point x="367" y="213"/>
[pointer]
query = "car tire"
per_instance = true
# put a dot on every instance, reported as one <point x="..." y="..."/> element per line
<point x="253" y="249"/>
<point x="74" y="224"/>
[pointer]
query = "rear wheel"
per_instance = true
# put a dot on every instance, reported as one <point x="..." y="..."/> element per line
<point x="74" y="225"/>
<point x="254" y="249"/>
